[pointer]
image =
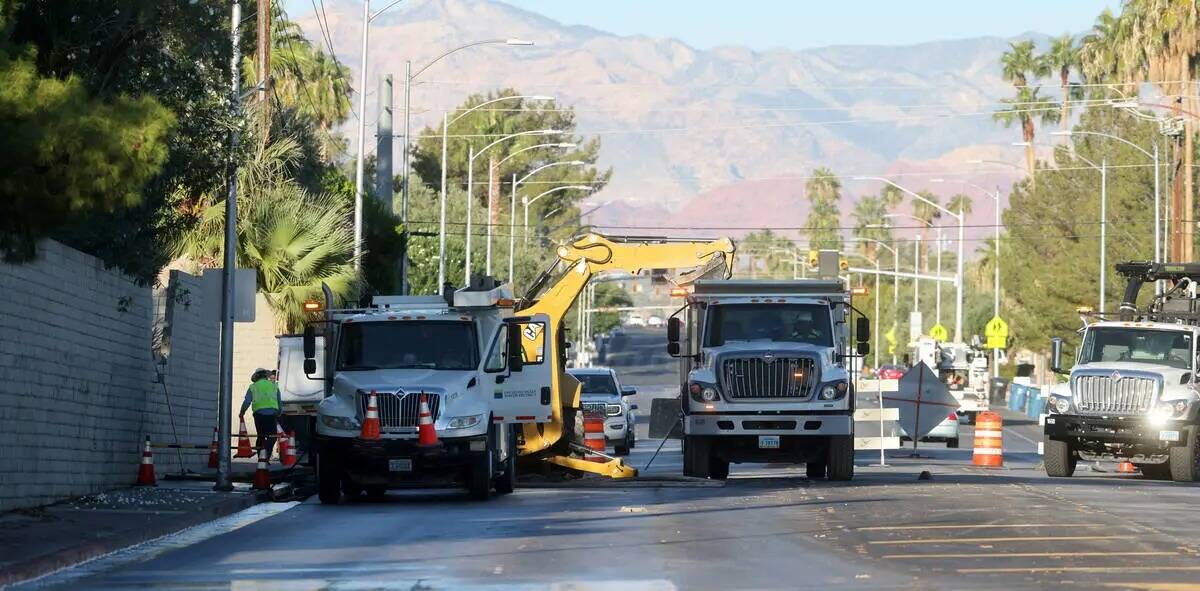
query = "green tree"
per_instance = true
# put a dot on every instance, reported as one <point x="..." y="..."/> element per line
<point x="1019" y="65"/>
<point x="1063" y="57"/>
<point x="769" y="255"/>
<point x="960" y="203"/>
<point x="870" y="224"/>
<point x="824" y="218"/>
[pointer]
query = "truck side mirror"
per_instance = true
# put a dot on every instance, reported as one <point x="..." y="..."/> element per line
<point x="516" y="358"/>
<point x="310" y="342"/>
<point x="862" y="347"/>
<point x="674" y="329"/>
<point x="1056" y="346"/>
<point x="862" y="330"/>
<point x="673" y="349"/>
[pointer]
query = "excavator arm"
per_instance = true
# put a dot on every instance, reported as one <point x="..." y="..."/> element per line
<point x="579" y="261"/>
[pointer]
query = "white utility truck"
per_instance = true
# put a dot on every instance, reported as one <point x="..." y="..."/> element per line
<point x="764" y="376"/>
<point x="452" y="351"/>
<point x="963" y="368"/>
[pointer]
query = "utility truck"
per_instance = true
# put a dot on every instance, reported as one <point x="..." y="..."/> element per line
<point x="1132" y="392"/>
<point x="963" y="367"/>
<point x="765" y="375"/>
<point x="492" y="369"/>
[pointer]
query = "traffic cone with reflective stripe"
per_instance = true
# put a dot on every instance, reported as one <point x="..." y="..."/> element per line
<point x="370" y="425"/>
<point x="1126" y="467"/>
<point x="212" y="450"/>
<point x="593" y="436"/>
<point x="146" y="469"/>
<point x="284" y="450"/>
<point x="989" y="433"/>
<point x="243" y="447"/>
<point x="426" y="434"/>
<point x="287" y="454"/>
<point x="262" y="477"/>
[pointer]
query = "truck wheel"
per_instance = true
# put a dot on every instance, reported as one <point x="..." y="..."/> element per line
<point x="1156" y="471"/>
<point x="351" y="489"/>
<point x="376" y="492"/>
<point x="1185" y="459"/>
<point x="814" y="470"/>
<point x="718" y="467"/>
<point x="952" y="443"/>
<point x="1059" y="458"/>
<point x="621" y="449"/>
<point x="329" y="482"/>
<point x="840" y="462"/>
<point x="482" y="470"/>
<point x="695" y="456"/>
<point x="507" y="482"/>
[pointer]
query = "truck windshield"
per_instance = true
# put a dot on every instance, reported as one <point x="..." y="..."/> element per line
<point x="795" y="323"/>
<point x="1137" y="345"/>
<point x="408" y="345"/>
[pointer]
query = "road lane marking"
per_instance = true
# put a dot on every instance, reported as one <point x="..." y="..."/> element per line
<point x="983" y="540"/>
<point x="1012" y="429"/>
<point x="1078" y="569"/>
<point x="979" y="526"/>
<point x="1026" y="555"/>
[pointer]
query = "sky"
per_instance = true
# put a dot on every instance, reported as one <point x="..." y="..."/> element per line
<point x="801" y="24"/>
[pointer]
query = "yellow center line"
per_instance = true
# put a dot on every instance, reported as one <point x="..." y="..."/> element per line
<point x="1027" y="555"/>
<point x="1014" y="539"/>
<point x="979" y="526"/>
<point x="1078" y="569"/>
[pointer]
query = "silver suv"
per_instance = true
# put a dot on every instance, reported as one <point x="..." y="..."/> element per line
<point x="602" y="393"/>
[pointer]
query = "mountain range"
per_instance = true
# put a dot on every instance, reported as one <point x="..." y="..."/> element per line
<point x="703" y="139"/>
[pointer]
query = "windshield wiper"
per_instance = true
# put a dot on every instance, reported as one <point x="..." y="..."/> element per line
<point x="357" y="368"/>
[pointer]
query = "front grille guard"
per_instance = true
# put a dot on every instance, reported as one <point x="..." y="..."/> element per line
<point x="746" y="377"/>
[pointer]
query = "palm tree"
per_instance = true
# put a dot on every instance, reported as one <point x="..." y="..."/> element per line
<point x="960" y="203"/>
<point x="1018" y="65"/>
<point x="1064" y="57"/>
<point x="869" y="223"/>
<point x="824" y="218"/>
<point x="1099" y="50"/>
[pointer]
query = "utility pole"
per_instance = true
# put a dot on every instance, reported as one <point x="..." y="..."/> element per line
<point x="225" y="400"/>
<point x="384" y="171"/>
<point x="264" y="66"/>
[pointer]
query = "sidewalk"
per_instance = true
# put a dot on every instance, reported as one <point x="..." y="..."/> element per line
<point x="40" y="540"/>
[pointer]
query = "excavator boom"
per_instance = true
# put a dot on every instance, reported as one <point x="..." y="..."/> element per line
<point x="579" y="261"/>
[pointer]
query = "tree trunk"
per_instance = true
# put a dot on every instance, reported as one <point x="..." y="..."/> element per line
<point x="493" y="192"/>
<point x="1064" y="122"/>
<point x="1188" y="213"/>
<point x="1030" y="155"/>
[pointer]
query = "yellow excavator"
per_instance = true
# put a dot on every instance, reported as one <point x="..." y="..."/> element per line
<point x="553" y="294"/>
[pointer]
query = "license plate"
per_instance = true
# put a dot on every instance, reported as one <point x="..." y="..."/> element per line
<point x="768" y="442"/>
<point x="1168" y="435"/>
<point x="404" y="465"/>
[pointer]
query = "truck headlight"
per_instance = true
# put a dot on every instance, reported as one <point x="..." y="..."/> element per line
<point x="703" y="393"/>
<point x="340" y="423"/>
<point x="1061" y="405"/>
<point x="833" y="391"/>
<point x="464" y="422"/>
<point x="1164" y="411"/>
<point x="613" y="410"/>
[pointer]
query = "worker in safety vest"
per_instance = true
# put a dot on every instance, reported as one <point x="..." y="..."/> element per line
<point x="263" y="398"/>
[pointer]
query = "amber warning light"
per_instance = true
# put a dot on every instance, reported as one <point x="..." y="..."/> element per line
<point x="312" y="306"/>
<point x="859" y="291"/>
<point x="679" y="292"/>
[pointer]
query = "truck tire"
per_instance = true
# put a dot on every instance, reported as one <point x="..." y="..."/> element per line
<point x="695" y="456"/>
<point x="814" y="470"/>
<point x="507" y="481"/>
<point x="351" y="489"/>
<point x="1059" y="459"/>
<point x="479" y="476"/>
<point x="376" y="492"/>
<point x="718" y="467"/>
<point x="329" y="482"/>
<point x="1185" y="459"/>
<point x="1156" y="471"/>
<point x="840" y="458"/>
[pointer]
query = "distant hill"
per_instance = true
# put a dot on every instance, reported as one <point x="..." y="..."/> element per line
<point x="712" y="137"/>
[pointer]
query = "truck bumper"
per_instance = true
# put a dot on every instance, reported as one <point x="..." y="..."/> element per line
<point x="1097" y="431"/>
<point x="806" y="425"/>
<point x="371" y="462"/>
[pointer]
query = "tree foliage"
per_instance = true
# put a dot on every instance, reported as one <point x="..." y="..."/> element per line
<point x="824" y="192"/>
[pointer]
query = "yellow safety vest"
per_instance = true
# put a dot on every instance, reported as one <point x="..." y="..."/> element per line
<point x="265" y="394"/>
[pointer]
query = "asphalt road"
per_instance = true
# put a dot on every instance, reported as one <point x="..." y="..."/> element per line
<point x="768" y="527"/>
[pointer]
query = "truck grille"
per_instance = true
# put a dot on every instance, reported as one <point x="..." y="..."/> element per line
<point x="1114" y="394"/>
<point x="399" y="410"/>
<point x="594" y="407"/>
<point x="769" y="377"/>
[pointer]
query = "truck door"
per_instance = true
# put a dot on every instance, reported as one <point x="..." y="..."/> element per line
<point x="521" y="382"/>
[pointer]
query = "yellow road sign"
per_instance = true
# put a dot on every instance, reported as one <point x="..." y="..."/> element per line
<point x="938" y="333"/>
<point x="891" y="340"/>
<point x="996" y="332"/>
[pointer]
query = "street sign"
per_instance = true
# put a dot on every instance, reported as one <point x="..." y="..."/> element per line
<point x="938" y="333"/>
<point x="891" y="340"/>
<point x="914" y="326"/>
<point x="922" y="399"/>
<point x="996" y="332"/>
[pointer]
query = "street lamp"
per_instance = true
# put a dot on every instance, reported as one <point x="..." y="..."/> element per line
<point x="488" y="257"/>
<point x="446" y="122"/>
<point x="1158" y="249"/>
<point x="512" y="209"/>
<point x="526" y="202"/>
<point x="471" y="156"/>
<point x="958" y="296"/>
<point x="938" y="283"/>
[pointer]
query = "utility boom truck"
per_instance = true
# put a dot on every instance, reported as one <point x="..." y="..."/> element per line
<point x="491" y="368"/>
<point x="963" y="368"/>
<point x="1132" y="393"/>
<point x="764" y="375"/>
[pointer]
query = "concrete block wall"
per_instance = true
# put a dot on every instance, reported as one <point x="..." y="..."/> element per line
<point x="78" y="388"/>
<point x="254" y="346"/>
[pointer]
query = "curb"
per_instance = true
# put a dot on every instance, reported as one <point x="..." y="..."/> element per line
<point x="638" y="482"/>
<point x="74" y="555"/>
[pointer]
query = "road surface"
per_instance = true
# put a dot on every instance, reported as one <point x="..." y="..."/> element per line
<point x="768" y="528"/>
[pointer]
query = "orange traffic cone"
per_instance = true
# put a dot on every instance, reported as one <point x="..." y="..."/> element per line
<point x="426" y="434"/>
<point x="243" y="446"/>
<point x="146" y="469"/>
<point x="989" y="448"/>
<point x="287" y="453"/>
<point x="212" y="450"/>
<point x="262" y="478"/>
<point x="593" y="437"/>
<point x="370" y="426"/>
<point x="1126" y="467"/>
<point x="281" y="437"/>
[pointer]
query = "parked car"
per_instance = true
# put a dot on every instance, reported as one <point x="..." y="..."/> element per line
<point x="945" y="431"/>
<point x="602" y="393"/>
<point x="635" y="320"/>
<point x="890" y="372"/>
<point x="654" y="321"/>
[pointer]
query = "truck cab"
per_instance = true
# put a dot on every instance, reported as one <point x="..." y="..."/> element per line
<point x="480" y="371"/>
<point x="764" y="377"/>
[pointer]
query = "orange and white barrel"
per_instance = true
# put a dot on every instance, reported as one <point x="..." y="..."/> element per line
<point x="989" y="435"/>
<point x="593" y="436"/>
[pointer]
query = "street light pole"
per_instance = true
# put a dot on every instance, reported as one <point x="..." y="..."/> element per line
<point x="488" y="264"/>
<point x="362" y="134"/>
<point x="527" y="202"/>
<point x="1103" y="232"/>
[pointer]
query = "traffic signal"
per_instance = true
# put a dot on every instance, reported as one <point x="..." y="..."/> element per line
<point x="813" y="260"/>
<point x="843" y="264"/>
